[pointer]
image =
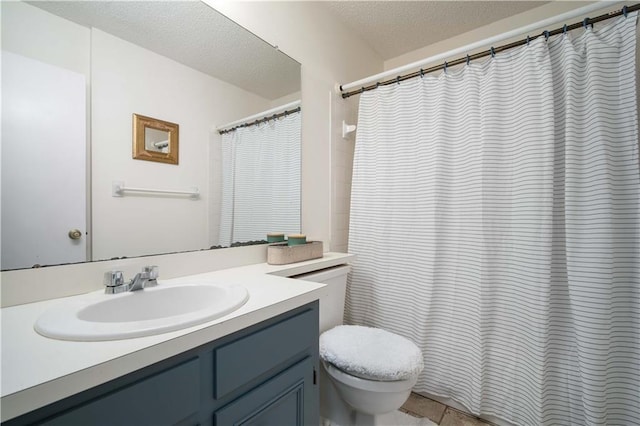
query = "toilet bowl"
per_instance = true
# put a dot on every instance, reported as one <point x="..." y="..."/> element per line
<point x="367" y="372"/>
<point x="370" y="396"/>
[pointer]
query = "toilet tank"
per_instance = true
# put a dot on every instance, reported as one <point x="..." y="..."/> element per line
<point x="331" y="305"/>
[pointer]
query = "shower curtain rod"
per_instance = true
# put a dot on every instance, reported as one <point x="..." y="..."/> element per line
<point x="261" y="117"/>
<point x="492" y="51"/>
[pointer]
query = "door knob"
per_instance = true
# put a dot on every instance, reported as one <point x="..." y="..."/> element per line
<point x="75" y="234"/>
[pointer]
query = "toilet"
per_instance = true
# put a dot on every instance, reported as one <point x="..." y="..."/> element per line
<point x="372" y="370"/>
<point x="367" y="372"/>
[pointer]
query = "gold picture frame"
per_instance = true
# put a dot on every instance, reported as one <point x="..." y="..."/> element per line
<point x="155" y="140"/>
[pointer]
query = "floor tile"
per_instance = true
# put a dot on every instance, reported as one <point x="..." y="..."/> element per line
<point x="457" y="418"/>
<point x="424" y="407"/>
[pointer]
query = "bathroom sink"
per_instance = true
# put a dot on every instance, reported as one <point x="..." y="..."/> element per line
<point x="155" y="310"/>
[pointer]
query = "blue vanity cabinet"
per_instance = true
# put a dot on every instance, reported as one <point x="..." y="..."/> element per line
<point x="262" y="375"/>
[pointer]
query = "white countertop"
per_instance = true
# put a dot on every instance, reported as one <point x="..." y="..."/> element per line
<point x="37" y="371"/>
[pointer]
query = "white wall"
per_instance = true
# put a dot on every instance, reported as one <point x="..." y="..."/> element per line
<point x="286" y="99"/>
<point x="36" y="34"/>
<point x="128" y="79"/>
<point x="342" y="169"/>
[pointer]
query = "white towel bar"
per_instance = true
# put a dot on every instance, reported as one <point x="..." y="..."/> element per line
<point x="118" y="189"/>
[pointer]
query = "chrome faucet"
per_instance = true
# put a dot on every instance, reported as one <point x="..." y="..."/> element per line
<point x="114" y="280"/>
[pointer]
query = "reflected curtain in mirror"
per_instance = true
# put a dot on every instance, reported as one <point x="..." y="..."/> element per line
<point x="261" y="180"/>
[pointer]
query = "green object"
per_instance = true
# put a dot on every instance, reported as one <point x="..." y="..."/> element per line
<point x="296" y="239"/>
<point x="275" y="237"/>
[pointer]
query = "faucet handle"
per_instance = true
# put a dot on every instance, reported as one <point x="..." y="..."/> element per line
<point x="114" y="282"/>
<point x="152" y="271"/>
<point x="113" y="279"/>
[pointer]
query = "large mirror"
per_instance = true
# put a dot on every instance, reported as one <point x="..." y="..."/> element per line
<point x="73" y="75"/>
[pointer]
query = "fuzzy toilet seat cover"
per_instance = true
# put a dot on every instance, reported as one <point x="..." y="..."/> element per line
<point x="370" y="353"/>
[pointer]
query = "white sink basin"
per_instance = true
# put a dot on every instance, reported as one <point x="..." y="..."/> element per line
<point x="155" y="310"/>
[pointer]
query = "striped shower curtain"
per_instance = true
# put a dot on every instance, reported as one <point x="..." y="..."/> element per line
<point x="261" y="180"/>
<point x="495" y="215"/>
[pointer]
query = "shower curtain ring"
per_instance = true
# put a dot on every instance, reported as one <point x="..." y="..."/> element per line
<point x="528" y="39"/>
<point x="398" y="79"/>
<point x="624" y="10"/>
<point x="564" y="29"/>
<point x="585" y="23"/>
<point x="377" y="84"/>
<point x="546" y="35"/>
<point x="421" y="73"/>
<point x="468" y="60"/>
<point x="445" y="66"/>
<point x="493" y="52"/>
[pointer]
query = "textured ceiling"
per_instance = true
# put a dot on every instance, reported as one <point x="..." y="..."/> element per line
<point x="393" y="28"/>
<point x="194" y="34"/>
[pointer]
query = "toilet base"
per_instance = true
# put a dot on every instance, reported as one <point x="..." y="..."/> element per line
<point x="395" y="418"/>
<point x="335" y="409"/>
<point x="354" y="418"/>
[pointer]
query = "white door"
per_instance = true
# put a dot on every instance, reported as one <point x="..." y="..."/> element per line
<point x="43" y="163"/>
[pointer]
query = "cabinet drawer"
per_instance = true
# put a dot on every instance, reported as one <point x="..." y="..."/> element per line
<point x="243" y="360"/>
<point x="163" y="399"/>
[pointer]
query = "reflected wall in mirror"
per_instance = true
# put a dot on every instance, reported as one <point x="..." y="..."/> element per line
<point x="155" y="140"/>
<point x="211" y="69"/>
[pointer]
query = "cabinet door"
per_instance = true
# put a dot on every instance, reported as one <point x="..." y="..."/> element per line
<point x="287" y="399"/>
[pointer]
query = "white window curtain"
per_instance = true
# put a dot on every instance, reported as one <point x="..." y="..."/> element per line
<point x="261" y="180"/>
<point x="495" y="215"/>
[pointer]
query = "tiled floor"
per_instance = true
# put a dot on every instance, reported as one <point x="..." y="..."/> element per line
<point x="421" y="407"/>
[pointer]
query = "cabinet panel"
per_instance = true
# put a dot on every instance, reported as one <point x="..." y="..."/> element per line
<point x="164" y="399"/>
<point x="245" y="359"/>
<point x="279" y="401"/>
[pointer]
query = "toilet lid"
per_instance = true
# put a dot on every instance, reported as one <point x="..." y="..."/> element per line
<point x="370" y="353"/>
